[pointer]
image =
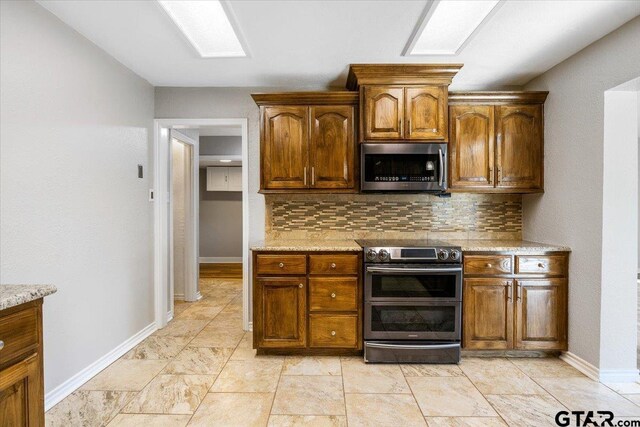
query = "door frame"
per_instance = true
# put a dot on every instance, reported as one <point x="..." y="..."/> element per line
<point x="161" y="212"/>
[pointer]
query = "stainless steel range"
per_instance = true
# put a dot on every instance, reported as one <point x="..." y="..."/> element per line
<point x="412" y="301"/>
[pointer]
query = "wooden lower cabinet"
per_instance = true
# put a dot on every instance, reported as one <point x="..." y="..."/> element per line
<point x="515" y="310"/>
<point x="319" y="312"/>
<point x="21" y="373"/>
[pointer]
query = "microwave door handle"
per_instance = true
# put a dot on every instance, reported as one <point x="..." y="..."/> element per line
<point x="413" y="270"/>
<point x="441" y="174"/>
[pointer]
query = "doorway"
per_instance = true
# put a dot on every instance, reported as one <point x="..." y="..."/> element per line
<point x="177" y="231"/>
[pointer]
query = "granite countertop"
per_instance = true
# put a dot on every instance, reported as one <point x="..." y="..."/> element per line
<point x="12" y="295"/>
<point x="307" y="245"/>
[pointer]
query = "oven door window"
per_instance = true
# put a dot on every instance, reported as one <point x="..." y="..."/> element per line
<point x="436" y="318"/>
<point x="431" y="286"/>
<point x="401" y="167"/>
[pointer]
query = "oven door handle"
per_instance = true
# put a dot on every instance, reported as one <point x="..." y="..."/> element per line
<point x="441" y="174"/>
<point x="411" y="347"/>
<point x="414" y="270"/>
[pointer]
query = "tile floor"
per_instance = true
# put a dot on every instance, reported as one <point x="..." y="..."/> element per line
<point x="201" y="371"/>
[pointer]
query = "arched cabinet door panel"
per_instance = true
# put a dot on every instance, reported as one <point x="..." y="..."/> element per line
<point x="426" y="113"/>
<point x="383" y="112"/>
<point x="332" y="149"/>
<point x="285" y="156"/>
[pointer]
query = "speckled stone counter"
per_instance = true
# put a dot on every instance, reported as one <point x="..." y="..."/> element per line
<point x="512" y="246"/>
<point x="12" y="295"/>
<point x="307" y="245"/>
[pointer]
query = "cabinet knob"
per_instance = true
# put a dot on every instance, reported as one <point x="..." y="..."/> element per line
<point x="1" y="344"/>
<point x="488" y="265"/>
<point x="300" y="285"/>
<point x="333" y="333"/>
<point x="333" y="265"/>
<point x="281" y="265"/>
<point x="540" y="265"/>
<point x="333" y="295"/>
<point x="434" y="130"/>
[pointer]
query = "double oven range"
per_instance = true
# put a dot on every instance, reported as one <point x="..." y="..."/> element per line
<point x="412" y="301"/>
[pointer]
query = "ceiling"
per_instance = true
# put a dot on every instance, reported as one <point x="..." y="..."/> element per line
<point x="310" y="43"/>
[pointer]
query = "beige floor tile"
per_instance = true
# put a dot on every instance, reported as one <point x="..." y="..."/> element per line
<point x="245" y="351"/>
<point x="498" y="376"/>
<point x="307" y="421"/>
<point x="449" y="397"/>
<point x="215" y="336"/>
<point x="527" y="410"/>
<point x="312" y="365"/>
<point x="155" y="347"/>
<point x="309" y="395"/>
<point x="126" y="375"/>
<point x="466" y="422"/>
<point x="416" y="370"/>
<point x="180" y="307"/>
<point x="249" y="376"/>
<point x="583" y="393"/>
<point x="624" y="388"/>
<point x="546" y="367"/>
<point x="233" y="409"/>
<point x="182" y="328"/>
<point x="383" y="410"/>
<point x="87" y="408"/>
<point x="199" y="360"/>
<point x="199" y="312"/>
<point x="137" y="420"/>
<point x="171" y="394"/>
<point x="360" y="377"/>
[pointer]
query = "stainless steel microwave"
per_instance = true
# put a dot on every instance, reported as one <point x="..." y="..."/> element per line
<point x="407" y="167"/>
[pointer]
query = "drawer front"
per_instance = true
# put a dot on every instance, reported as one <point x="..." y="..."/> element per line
<point x="19" y="331"/>
<point x="333" y="293"/>
<point x="281" y="264"/>
<point x="340" y="331"/>
<point x="551" y="264"/>
<point x="487" y="264"/>
<point x="333" y="264"/>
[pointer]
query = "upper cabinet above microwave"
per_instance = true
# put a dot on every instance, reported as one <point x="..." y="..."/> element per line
<point x="404" y="102"/>
<point x="307" y="142"/>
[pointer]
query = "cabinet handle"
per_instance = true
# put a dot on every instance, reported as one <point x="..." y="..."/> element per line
<point x="304" y="172"/>
<point x="1" y="344"/>
<point x="518" y="296"/>
<point x="333" y="265"/>
<point x="313" y="175"/>
<point x="333" y="333"/>
<point x="333" y="295"/>
<point x="509" y="296"/>
<point x="281" y="265"/>
<point x="300" y="285"/>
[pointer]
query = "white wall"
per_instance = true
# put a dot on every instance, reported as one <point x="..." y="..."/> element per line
<point x="74" y="125"/>
<point x="570" y="211"/>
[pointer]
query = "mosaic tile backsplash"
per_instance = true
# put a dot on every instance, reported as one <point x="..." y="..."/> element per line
<point x="359" y="215"/>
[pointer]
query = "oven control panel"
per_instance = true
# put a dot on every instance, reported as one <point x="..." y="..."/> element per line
<point x="413" y="254"/>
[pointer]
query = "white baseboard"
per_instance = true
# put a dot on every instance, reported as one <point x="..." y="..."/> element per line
<point x="198" y="296"/>
<point x="250" y="327"/>
<point x="73" y="383"/>
<point x="169" y="316"/>
<point x="220" y="260"/>
<point x="602" y="375"/>
<point x="179" y="297"/>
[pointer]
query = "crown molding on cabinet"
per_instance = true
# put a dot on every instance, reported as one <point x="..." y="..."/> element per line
<point x="497" y="97"/>
<point x="401" y="74"/>
<point x="310" y="98"/>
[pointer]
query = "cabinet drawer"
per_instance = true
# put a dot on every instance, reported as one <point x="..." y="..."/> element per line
<point x="281" y="264"/>
<point x="19" y="331"/>
<point x="340" y="330"/>
<point x="333" y="294"/>
<point x="487" y="264"/>
<point x="552" y="264"/>
<point x="333" y="264"/>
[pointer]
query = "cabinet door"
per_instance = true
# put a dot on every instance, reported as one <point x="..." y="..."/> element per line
<point x="235" y="179"/>
<point x="487" y="314"/>
<point x="332" y="148"/>
<point x="471" y="141"/>
<point x="426" y="113"/>
<point x="285" y="159"/>
<point x="280" y="317"/>
<point x="21" y="403"/>
<point x="383" y="112"/>
<point x="519" y="131"/>
<point x="541" y="314"/>
<point x="217" y="179"/>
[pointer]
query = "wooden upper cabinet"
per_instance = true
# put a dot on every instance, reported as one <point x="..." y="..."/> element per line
<point x="541" y="312"/>
<point x="383" y="112"/>
<point x="519" y="131"/>
<point x="488" y="314"/>
<point x="471" y="152"/>
<point x="426" y="113"/>
<point x="281" y="311"/>
<point x="332" y="148"/>
<point x="285" y="155"/>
